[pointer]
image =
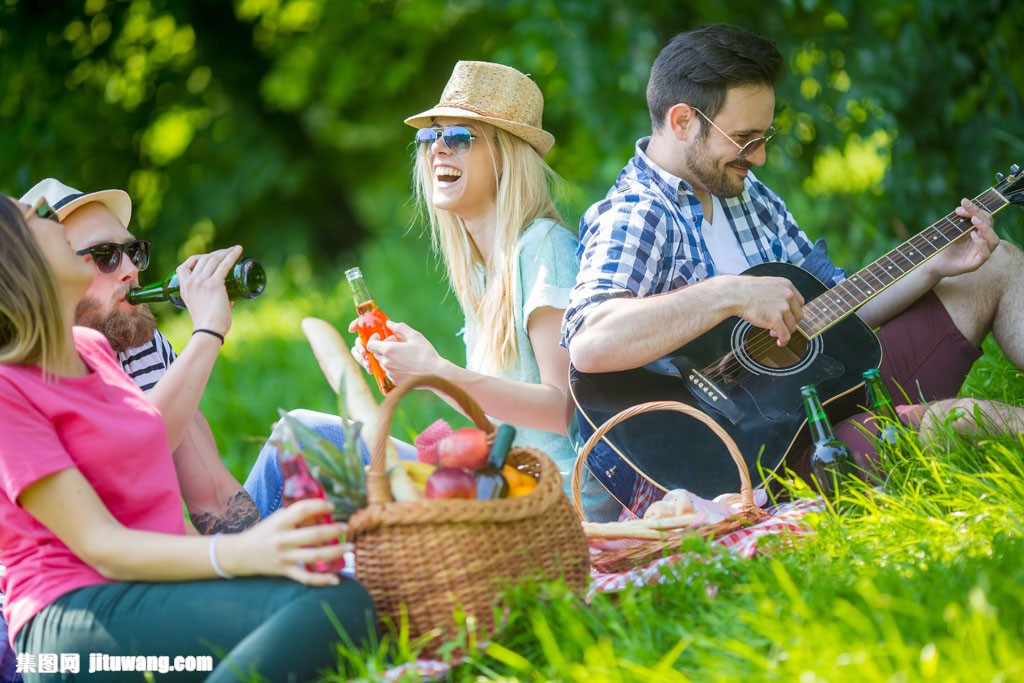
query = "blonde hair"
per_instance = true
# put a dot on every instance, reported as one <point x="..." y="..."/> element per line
<point x="32" y="330"/>
<point x="523" y="196"/>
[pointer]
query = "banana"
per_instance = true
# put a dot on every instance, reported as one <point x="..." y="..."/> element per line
<point x="402" y="485"/>
<point x="419" y="472"/>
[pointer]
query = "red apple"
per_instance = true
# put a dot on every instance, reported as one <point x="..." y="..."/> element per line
<point x="465" y="447"/>
<point x="451" y="482"/>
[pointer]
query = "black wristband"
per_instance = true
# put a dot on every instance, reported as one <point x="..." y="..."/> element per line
<point x="218" y="335"/>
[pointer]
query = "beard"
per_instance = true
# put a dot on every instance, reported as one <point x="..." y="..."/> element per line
<point x="717" y="180"/>
<point x="123" y="329"/>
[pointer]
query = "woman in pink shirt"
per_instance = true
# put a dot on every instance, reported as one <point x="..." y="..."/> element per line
<point x="99" y="561"/>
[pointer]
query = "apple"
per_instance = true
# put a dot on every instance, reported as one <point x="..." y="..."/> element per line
<point x="451" y="482"/>
<point x="465" y="447"/>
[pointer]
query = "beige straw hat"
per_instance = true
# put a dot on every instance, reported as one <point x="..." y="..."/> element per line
<point x="494" y="93"/>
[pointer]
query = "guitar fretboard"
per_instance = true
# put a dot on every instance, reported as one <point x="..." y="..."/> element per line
<point x="867" y="283"/>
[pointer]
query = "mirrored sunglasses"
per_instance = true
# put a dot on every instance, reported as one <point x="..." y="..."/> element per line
<point x="457" y="139"/>
<point x="42" y="209"/>
<point x="107" y="256"/>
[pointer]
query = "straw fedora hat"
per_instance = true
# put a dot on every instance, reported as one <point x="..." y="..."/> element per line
<point x="497" y="94"/>
<point x="65" y="199"/>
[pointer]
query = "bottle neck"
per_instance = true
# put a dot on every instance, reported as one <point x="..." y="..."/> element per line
<point x="360" y="292"/>
<point x="881" y="404"/>
<point x="817" y="420"/>
<point x="291" y="464"/>
<point x="154" y="293"/>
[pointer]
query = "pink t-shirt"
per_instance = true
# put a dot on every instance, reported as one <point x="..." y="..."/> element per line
<point x="104" y="426"/>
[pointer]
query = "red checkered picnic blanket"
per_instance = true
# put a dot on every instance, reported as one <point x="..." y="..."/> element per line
<point x="784" y="520"/>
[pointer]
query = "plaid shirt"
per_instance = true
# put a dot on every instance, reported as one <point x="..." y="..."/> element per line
<point x="644" y="238"/>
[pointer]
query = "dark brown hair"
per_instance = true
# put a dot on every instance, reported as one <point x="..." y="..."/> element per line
<point x="698" y="67"/>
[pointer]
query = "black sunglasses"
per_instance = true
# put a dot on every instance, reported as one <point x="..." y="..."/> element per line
<point x="458" y="139"/>
<point x="107" y="256"/>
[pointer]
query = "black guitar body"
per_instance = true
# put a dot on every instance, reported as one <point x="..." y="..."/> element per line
<point x="739" y="377"/>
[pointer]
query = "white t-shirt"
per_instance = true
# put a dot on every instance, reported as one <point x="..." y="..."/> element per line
<point x="722" y="243"/>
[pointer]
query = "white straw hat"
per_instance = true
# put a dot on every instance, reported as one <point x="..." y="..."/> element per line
<point x="494" y="93"/>
<point x="64" y="199"/>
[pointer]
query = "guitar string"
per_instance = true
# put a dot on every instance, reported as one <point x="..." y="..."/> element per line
<point x="949" y="227"/>
<point x="760" y="343"/>
<point x="920" y="242"/>
<point x="919" y="245"/>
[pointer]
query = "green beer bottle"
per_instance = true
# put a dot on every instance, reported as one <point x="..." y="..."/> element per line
<point x="887" y="421"/>
<point x="247" y="280"/>
<point x="831" y="461"/>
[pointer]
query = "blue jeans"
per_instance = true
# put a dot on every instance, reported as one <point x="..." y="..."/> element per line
<point x="264" y="481"/>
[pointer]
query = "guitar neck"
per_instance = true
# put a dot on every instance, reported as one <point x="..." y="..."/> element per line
<point x="867" y="283"/>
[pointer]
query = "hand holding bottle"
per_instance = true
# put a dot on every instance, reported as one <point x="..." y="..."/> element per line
<point x="283" y="544"/>
<point x="201" y="278"/>
<point x="405" y="353"/>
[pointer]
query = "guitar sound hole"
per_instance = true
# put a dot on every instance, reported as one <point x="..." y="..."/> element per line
<point x="762" y="349"/>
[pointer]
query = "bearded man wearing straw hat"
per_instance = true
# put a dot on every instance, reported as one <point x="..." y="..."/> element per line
<point x="96" y="226"/>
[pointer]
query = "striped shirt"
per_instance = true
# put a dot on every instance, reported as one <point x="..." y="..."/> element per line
<point x="644" y="238"/>
<point x="146" y="364"/>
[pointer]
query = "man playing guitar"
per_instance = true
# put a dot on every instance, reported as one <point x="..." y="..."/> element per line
<point x="662" y="254"/>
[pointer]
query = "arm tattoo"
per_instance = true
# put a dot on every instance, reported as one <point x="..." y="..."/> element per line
<point x="239" y="514"/>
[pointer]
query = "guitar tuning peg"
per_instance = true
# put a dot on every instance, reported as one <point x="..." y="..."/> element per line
<point x="999" y="177"/>
<point x="1015" y="169"/>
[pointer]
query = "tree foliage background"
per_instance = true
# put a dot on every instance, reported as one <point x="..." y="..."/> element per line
<point x="278" y="123"/>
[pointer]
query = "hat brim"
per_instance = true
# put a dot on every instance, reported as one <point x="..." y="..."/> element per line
<point x="539" y="139"/>
<point x="117" y="201"/>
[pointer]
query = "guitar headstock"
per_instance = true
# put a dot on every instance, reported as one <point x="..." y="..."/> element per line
<point x="1011" y="186"/>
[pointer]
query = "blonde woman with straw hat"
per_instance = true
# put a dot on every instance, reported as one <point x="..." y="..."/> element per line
<point x="481" y="178"/>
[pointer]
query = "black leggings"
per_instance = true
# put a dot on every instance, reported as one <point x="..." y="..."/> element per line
<point x="282" y="630"/>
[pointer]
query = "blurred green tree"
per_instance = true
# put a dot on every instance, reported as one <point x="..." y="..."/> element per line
<point x="278" y="123"/>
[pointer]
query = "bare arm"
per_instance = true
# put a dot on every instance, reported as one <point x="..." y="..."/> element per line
<point x="543" y="406"/>
<point x="966" y="255"/>
<point x="177" y="393"/>
<point x="626" y="333"/>
<point x="66" y="504"/>
<point x="216" y="502"/>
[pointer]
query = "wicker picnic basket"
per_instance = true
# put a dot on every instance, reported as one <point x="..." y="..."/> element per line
<point x="425" y="559"/>
<point x="640" y="548"/>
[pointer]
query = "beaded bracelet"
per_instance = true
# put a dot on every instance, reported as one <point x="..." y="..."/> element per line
<point x="218" y="335"/>
<point x="213" y="558"/>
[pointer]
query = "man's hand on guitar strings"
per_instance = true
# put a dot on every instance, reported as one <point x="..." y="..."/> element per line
<point x="968" y="254"/>
<point x="771" y="303"/>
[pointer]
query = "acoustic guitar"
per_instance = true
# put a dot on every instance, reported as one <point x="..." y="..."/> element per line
<point x="738" y="375"/>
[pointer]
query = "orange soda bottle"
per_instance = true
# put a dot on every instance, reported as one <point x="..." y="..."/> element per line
<point x="370" y="319"/>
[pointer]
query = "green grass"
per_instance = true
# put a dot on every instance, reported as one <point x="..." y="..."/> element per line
<point x="920" y="581"/>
